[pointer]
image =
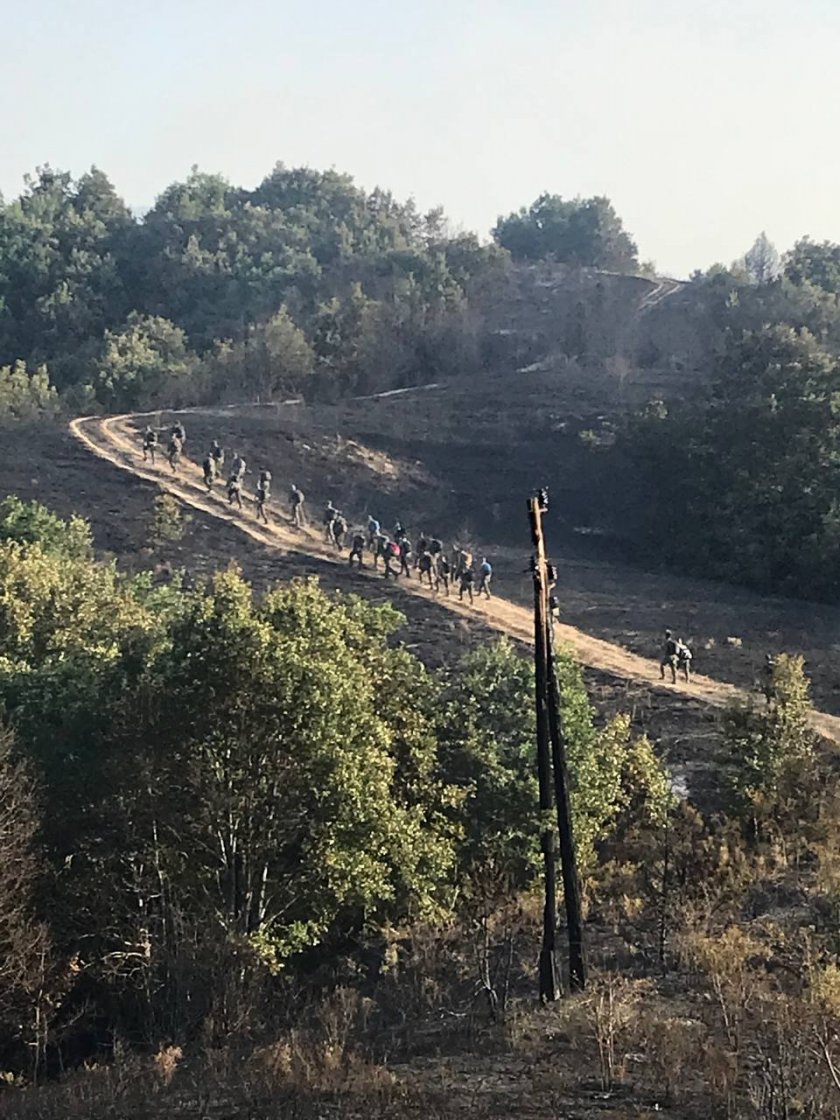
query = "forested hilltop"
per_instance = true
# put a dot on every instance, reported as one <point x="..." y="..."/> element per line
<point x="307" y="284"/>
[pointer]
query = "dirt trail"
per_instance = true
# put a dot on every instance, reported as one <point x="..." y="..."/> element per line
<point x="114" y="440"/>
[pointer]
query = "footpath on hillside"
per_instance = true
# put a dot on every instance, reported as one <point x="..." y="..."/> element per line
<point x="115" y="440"/>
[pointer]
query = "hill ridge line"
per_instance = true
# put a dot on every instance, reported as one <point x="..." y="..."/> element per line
<point x="110" y="439"/>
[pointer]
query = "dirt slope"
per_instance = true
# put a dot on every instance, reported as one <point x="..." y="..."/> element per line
<point x="114" y="440"/>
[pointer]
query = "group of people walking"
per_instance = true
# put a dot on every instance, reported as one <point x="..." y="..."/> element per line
<point x="427" y="558"/>
<point x="399" y="558"/>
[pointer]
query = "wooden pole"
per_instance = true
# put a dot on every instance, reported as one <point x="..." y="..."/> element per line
<point x="558" y="767"/>
<point x="548" y="963"/>
<point x="568" y="855"/>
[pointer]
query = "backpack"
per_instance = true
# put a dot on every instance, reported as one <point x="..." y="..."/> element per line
<point x="394" y="548"/>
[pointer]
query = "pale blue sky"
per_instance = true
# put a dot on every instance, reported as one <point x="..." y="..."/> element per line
<point x="704" y="121"/>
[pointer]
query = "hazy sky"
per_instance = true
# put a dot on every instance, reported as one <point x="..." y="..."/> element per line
<point x="705" y="121"/>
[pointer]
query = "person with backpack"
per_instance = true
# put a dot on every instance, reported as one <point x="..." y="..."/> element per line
<point x="405" y="555"/>
<point x="425" y="564"/>
<point x="263" y="493"/>
<point x="374" y="529"/>
<point x="684" y="657"/>
<point x="209" y="469"/>
<point x="380" y="548"/>
<point x="217" y="454"/>
<point x="234" y="490"/>
<point x="339" y="528"/>
<point x="238" y="468"/>
<point x="357" y="548"/>
<point x="422" y="546"/>
<point x="174" y="452"/>
<point x="150" y="440"/>
<point x="330" y="514"/>
<point x="392" y="555"/>
<point x="465" y="583"/>
<point x="180" y="432"/>
<point x="670" y="657"/>
<point x="443" y="573"/>
<point x="296" y="500"/>
<point x="485" y="574"/>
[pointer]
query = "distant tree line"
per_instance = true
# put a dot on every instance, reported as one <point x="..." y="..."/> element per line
<point x="305" y="285"/>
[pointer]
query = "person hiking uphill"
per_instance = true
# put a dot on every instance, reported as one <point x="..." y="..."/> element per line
<point x="443" y="573"/>
<point x="684" y="657"/>
<point x="209" y="469"/>
<point x="150" y="441"/>
<point x="425" y="566"/>
<point x="173" y="453"/>
<point x="296" y="500"/>
<point x="238" y="468"/>
<point x="330" y="514"/>
<point x="465" y="583"/>
<point x="234" y="490"/>
<point x="374" y="529"/>
<point x="391" y="553"/>
<point x="217" y="454"/>
<point x="180" y="432"/>
<point x="357" y="548"/>
<point x="670" y="657"/>
<point x="405" y="556"/>
<point x="485" y="574"/>
<point x="263" y="493"/>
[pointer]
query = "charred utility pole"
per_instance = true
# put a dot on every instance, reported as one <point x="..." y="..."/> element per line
<point x="548" y="962"/>
<point x="551" y="756"/>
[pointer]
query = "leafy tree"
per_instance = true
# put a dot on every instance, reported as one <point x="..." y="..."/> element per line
<point x="491" y="754"/>
<point x="762" y="260"/>
<point x="745" y="480"/>
<point x="772" y="752"/>
<point x="580" y="231"/>
<point x="25" y="951"/>
<point x="814" y="263"/>
<point x="147" y="361"/>
<point x="25" y="394"/>
<point x="274" y="359"/>
<point x="33" y="523"/>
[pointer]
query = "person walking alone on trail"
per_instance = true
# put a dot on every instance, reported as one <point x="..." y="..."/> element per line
<point x="174" y="452"/>
<point x="405" y="555"/>
<point x="357" y="548"/>
<point x="485" y="574"/>
<point x="209" y="469"/>
<point x="443" y="573"/>
<point x="149" y="444"/>
<point x="465" y="583"/>
<point x="392" y="555"/>
<point x="374" y="529"/>
<point x="425" y="565"/>
<point x="296" y="500"/>
<point x="234" y="490"/>
<point x="670" y="657"/>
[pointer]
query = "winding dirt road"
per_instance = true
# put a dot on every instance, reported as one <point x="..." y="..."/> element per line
<point x="114" y="440"/>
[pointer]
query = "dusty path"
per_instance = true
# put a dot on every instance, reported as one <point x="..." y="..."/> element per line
<point x="114" y="440"/>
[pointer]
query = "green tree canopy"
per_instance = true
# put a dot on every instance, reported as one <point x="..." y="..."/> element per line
<point x="572" y="231"/>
